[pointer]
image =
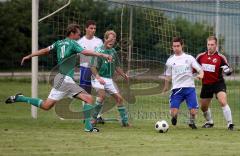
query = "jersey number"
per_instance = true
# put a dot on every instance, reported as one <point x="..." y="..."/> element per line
<point x="62" y="51"/>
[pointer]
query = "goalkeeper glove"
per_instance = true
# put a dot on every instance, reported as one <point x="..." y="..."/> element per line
<point x="226" y="70"/>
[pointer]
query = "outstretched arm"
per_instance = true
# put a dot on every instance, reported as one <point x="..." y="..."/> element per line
<point x="40" y="52"/>
<point x="93" y="53"/>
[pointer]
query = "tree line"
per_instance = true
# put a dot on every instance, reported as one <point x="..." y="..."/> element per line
<point x="148" y="38"/>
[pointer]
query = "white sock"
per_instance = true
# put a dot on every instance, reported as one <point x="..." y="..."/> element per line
<point x="227" y="114"/>
<point x="208" y="116"/>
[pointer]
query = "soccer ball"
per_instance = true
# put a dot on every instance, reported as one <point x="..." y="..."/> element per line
<point x="161" y="126"/>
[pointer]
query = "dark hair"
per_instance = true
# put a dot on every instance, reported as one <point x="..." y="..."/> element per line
<point x="177" y="39"/>
<point x="72" y="28"/>
<point x="212" y="38"/>
<point x="90" y="22"/>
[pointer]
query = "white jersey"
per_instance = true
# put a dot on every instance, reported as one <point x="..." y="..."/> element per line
<point x="180" y="68"/>
<point x="91" y="44"/>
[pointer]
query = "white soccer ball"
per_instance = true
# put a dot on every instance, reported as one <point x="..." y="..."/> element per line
<point x="161" y="126"/>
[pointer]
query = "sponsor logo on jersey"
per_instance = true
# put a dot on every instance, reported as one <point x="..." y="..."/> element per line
<point x="208" y="67"/>
<point x="214" y="60"/>
<point x="181" y="69"/>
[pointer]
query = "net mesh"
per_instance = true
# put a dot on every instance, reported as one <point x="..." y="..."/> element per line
<point x="144" y="33"/>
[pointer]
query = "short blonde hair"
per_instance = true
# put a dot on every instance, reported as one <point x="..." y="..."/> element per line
<point x="212" y="38"/>
<point x="109" y="32"/>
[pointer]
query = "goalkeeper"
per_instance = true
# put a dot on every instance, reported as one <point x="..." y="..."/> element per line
<point x="214" y="65"/>
<point x="103" y="72"/>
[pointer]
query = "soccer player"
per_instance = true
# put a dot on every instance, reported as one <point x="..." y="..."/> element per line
<point x="179" y="68"/>
<point x="64" y="84"/>
<point x="214" y="64"/>
<point x="89" y="42"/>
<point x="103" y="72"/>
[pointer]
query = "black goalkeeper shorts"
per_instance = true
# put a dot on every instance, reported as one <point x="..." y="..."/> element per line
<point x="207" y="91"/>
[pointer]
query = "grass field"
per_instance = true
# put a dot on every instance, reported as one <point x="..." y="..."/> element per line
<point x="21" y="135"/>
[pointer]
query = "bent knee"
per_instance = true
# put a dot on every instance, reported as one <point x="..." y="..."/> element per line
<point x="89" y="99"/>
<point x="46" y="107"/>
<point x="48" y="104"/>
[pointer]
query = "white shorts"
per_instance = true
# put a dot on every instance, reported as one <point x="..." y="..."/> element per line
<point x="64" y="86"/>
<point x="109" y="86"/>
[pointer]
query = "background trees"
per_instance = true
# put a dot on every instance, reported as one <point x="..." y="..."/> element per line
<point x="15" y="28"/>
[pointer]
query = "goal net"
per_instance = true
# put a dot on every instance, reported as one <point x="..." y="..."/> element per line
<point x="144" y="33"/>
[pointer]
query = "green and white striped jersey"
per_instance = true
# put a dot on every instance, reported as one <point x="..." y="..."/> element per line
<point x="104" y="67"/>
<point x="66" y="50"/>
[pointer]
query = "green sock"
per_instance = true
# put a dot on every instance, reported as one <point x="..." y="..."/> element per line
<point x="87" y="108"/>
<point x="98" y="107"/>
<point x="123" y="114"/>
<point x="33" y="101"/>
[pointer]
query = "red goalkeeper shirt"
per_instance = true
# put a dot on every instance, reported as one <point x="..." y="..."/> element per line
<point x="211" y="65"/>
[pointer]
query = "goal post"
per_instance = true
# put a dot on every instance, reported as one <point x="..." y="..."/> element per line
<point x="34" y="84"/>
<point x="35" y="21"/>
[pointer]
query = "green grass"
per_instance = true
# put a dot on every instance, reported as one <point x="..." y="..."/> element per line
<point x="47" y="135"/>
